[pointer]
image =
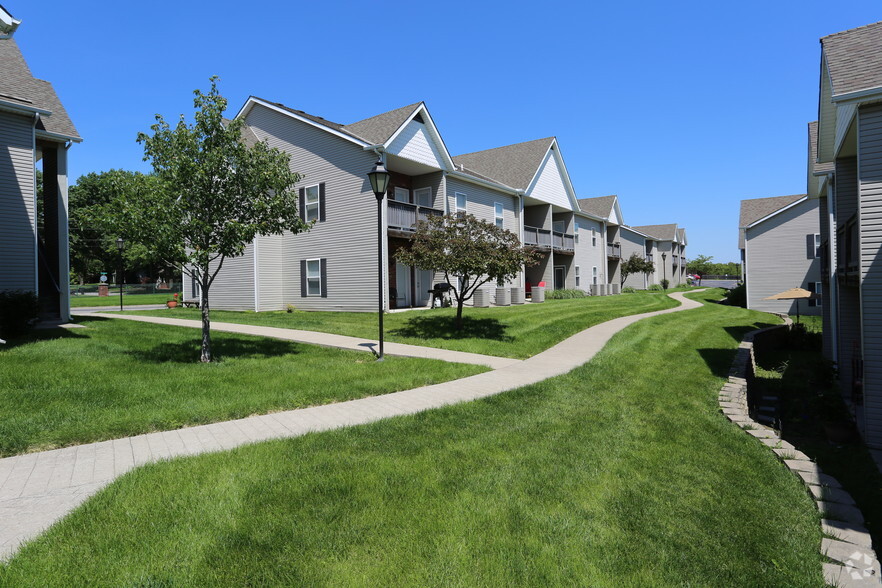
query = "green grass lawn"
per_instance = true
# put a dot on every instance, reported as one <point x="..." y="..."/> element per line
<point x="620" y="473"/>
<point x="117" y="378"/>
<point x="113" y="300"/>
<point x="515" y="331"/>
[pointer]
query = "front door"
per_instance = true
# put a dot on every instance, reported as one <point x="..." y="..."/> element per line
<point x="423" y="283"/>
<point x="402" y="285"/>
<point x="560" y="277"/>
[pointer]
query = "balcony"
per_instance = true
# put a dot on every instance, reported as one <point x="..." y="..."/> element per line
<point x="563" y="241"/>
<point x="536" y="237"/>
<point x="613" y="251"/>
<point x="675" y="260"/>
<point x="403" y="217"/>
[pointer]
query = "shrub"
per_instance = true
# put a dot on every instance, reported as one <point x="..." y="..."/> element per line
<point x="563" y="294"/>
<point x="655" y="288"/>
<point x="737" y="296"/>
<point x="665" y="283"/>
<point x="18" y="310"/>
<point x="628" y="290"/>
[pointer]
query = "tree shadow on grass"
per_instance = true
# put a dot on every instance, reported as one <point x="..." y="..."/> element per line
<point x="739" y="332"/>
<point x="718" y="360"/>
<point x="221" y="349"/>
<point x="37" y="335"/>
<point x="444" y="327"/>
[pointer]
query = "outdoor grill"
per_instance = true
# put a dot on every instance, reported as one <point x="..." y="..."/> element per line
<point x="441" y="293"/>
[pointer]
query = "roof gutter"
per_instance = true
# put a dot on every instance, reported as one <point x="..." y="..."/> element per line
<point x="857" y="96"/>
<point x="58" y="137"/>
<point x="8" y="24"/>
<point x="22" y="108"/>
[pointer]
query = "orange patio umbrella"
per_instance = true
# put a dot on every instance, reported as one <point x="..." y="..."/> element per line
<point x="794" y="294"/>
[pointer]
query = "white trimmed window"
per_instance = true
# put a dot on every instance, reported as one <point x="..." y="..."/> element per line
<point x="594" y="241"/>
<point x="498" y="208"/>
<point x="578" y="277"/>
<point x="313" y="277"/>
<point x="818" y="245"/>
<point x="576" y="234"/>
<point x="460" y="202"/>
<point x="594" y="275"/>
<point x="423" y="197"/>
<point x="311" y="203"/>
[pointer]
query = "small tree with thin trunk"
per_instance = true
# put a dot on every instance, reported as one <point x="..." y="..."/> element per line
<point x="215" y="195"/>
<point x="468" y="251"/>
<point x="636" y="265"/>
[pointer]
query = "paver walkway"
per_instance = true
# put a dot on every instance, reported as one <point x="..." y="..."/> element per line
<point x="37" y="489"/>
<point x="325" y="339"/>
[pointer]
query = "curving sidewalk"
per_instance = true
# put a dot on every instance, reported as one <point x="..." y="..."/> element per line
<point x="37" y="489"/>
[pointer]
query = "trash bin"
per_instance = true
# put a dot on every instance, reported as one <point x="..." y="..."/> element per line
<point x="482" y="298"/>
<point x="503" y="297"/>
<point x="538" y="294"/>
<point x="517" y="295"/>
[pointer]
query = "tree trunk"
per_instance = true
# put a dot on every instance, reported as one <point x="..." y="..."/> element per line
<point x="459" y="303"/>
<point x="206" y="321"/>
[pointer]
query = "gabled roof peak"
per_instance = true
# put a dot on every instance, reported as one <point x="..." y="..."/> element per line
<point x="511" y="165"/>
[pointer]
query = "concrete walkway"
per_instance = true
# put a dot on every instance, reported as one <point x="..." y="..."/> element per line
<point x="324" y="339"/>
<point x="37" y="489"/>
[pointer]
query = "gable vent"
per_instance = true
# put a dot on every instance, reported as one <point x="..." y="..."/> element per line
<point x="419" y="118"/>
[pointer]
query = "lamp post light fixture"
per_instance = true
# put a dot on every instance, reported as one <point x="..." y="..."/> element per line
<point x="379" y="178"/>
<point x="664" y="266"/>
<point x="120" y="281"/>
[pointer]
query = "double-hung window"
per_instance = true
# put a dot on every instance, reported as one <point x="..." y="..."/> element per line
<point x="594" y="275"/>
<point x="578" y="277"/>
<point x="576" y="233"/>
<point x="594" y="239"/>
<point x="311" y="204"/>
<point x="498" y="208"/>
<point x="313" y="277"/>
<point x="460" y="203"/>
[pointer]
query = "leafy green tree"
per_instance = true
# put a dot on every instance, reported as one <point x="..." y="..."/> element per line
<point x="701" y="265"/>
<point x="215" y="195"/>
<point x="468" y="251"/>
<point x="94" y="205"/>
<point x="636" y="265"/>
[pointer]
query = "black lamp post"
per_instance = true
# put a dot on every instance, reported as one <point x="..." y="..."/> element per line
<point x="379" y="183"/>
<point x="664" y="267"/>
<point x="119" y="282"/>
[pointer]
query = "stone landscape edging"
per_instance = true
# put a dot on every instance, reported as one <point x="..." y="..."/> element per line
<point x="853" y="547"/>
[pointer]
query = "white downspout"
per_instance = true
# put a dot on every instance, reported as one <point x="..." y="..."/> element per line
<point x="34" y="203"/>
<point x="831" y="269"/>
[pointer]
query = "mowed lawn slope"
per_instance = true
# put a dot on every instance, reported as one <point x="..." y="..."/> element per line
<point x="620" y="473"/>
<point x="117" y="378"/>
<point x="515" y="331"/>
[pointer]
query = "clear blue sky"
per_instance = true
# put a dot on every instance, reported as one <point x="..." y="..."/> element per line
<point x="680" y="108"/>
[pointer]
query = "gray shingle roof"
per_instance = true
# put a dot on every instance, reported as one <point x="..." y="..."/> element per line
<point x="756" y="208"/>
<point x="377" y="129"/>
<point x="813" y="151"/>
<point x="854" y="58"/>
<point x="511" y="165"/>
<point x="600" y="206"/>
<point x="19" y="86"/>
<point x="660" y="232"/>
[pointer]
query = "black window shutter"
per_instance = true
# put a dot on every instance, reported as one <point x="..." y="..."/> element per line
<point x="324" y="277"/>
<point x="303" y="278"/>
<point x="322" y="202"/>
<point x="303" y="203"/>
<point x="810" y="248"/>
<point x="811" y="287"/>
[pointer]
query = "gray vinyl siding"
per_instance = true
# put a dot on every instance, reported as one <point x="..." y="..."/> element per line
<point x="777" y="258"/>
<point x="435" y="181"/>
<point x="17" y="228"/>
<point x="632" y="243"/>
<point x="870" y="169"/>
<point x="348" y="237"/>
<point x="271" y="271"/>
<point x="846" y="189"/>
<point x="586" y="255"/>
<point x="233" y="289"/>
<point x="480" y="202"/>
